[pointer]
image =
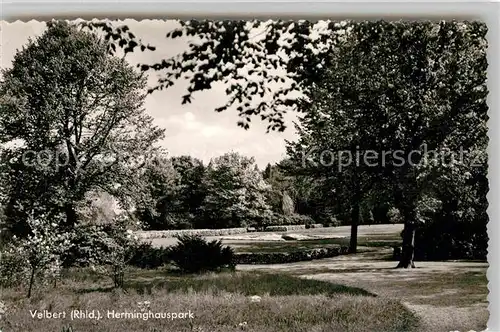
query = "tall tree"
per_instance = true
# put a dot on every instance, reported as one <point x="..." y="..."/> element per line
<point x="192" y="192"/>
<point x="175" y="193"/>
<point x="78" y="113"/>
<point x="282" y="191"/>
<point x="235" y="192"/>
<point x="161" y="202"/>
<point x="274" y="58"/>
<point x="428" y="73"/>
<point x="436" y="82"/>
<point x="340" y="120"/>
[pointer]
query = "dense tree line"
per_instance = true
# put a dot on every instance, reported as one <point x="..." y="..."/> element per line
<point x="231" y="191"/>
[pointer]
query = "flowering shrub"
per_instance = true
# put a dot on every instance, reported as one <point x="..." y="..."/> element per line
<point x="37" y="256"/>
<point x="144" y="306"/>
<point x="107" y="249"/>
<point x="3" y="309"/>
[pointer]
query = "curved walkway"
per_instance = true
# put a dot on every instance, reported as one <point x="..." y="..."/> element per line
<point x="448" y="296"/>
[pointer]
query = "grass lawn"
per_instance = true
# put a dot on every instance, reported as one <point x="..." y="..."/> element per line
<point x="219" y="302"/>
<point x="383" y="234"/>
<point x="356" y="293"/>
<point x="376" y="240"/>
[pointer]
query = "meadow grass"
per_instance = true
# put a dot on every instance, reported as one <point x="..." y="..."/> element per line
<point x="375" y="241"/>
<point x="219" y="302"/>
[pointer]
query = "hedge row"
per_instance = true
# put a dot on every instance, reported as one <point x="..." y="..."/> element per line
<point x="315" y="226"/>
<point x="290" y="257"/>
<point x="284" y="228"/>
<point x="201" y="232"/>
<point x="148" y="257"/>
<point x="220" y="232"/>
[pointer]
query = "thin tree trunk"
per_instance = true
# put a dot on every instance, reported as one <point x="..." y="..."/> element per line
<point x="353" y="243"/>
<point x="408" y="249"/>
<point x="32" y="281"/>
<point x="118" y="276"/>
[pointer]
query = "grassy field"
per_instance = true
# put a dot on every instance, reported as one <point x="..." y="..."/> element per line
<point x="217" y="302"/>
<point x="375" y="235"/>
<point x="362" y="292"/>
<point x="292" y="245"/>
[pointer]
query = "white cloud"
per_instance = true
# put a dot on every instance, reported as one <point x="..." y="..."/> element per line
<point x="188" y="121"/>
<point x="189" y="117"/>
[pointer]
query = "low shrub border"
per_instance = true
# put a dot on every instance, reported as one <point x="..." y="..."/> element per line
<point x="146" y="235"/>
<point x="290" y="257"/>
<point x="284" y="228"/>
<point x="201" y="232"/>
<point x="147" y="256"/>
<point x="314" y="226"/>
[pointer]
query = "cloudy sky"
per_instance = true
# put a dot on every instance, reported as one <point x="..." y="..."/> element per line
<point x="193" y="129"/>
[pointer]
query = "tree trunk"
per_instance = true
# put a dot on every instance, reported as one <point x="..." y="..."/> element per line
<point x="353" y="243"/>
<point x="408" y="246"/>
<point x="70" y="212"/>
<point x="355" y="213"/>
<point x="32" y="281"/>
<point x="118" y="275"/>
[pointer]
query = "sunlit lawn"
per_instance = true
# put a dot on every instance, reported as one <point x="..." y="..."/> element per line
<point x="289" y="246"/>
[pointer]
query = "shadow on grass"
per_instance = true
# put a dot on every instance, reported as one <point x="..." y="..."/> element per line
<point x="236" y="282"/>
<point x="291" y="245"/>
<point x="94" y="290"/>
<point x="326" y="270"/>
<point x="247" y="284"/>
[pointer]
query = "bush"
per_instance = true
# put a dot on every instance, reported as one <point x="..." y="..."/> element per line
<point x="394" y="216"/>
<point x="331" y="221"/>
<point x="87" y="242"/>
<point x="107" y="248"/>
<point x="299" y="219"/>
<point x="278" y="219"/>
<point x="314" y="226"/>
<point x="442" y="240"/>
<point x="290" y="257"/>
<point x="273" y="219"/>
<point x="145" y="256"/>
<point x="194" y="254"/>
